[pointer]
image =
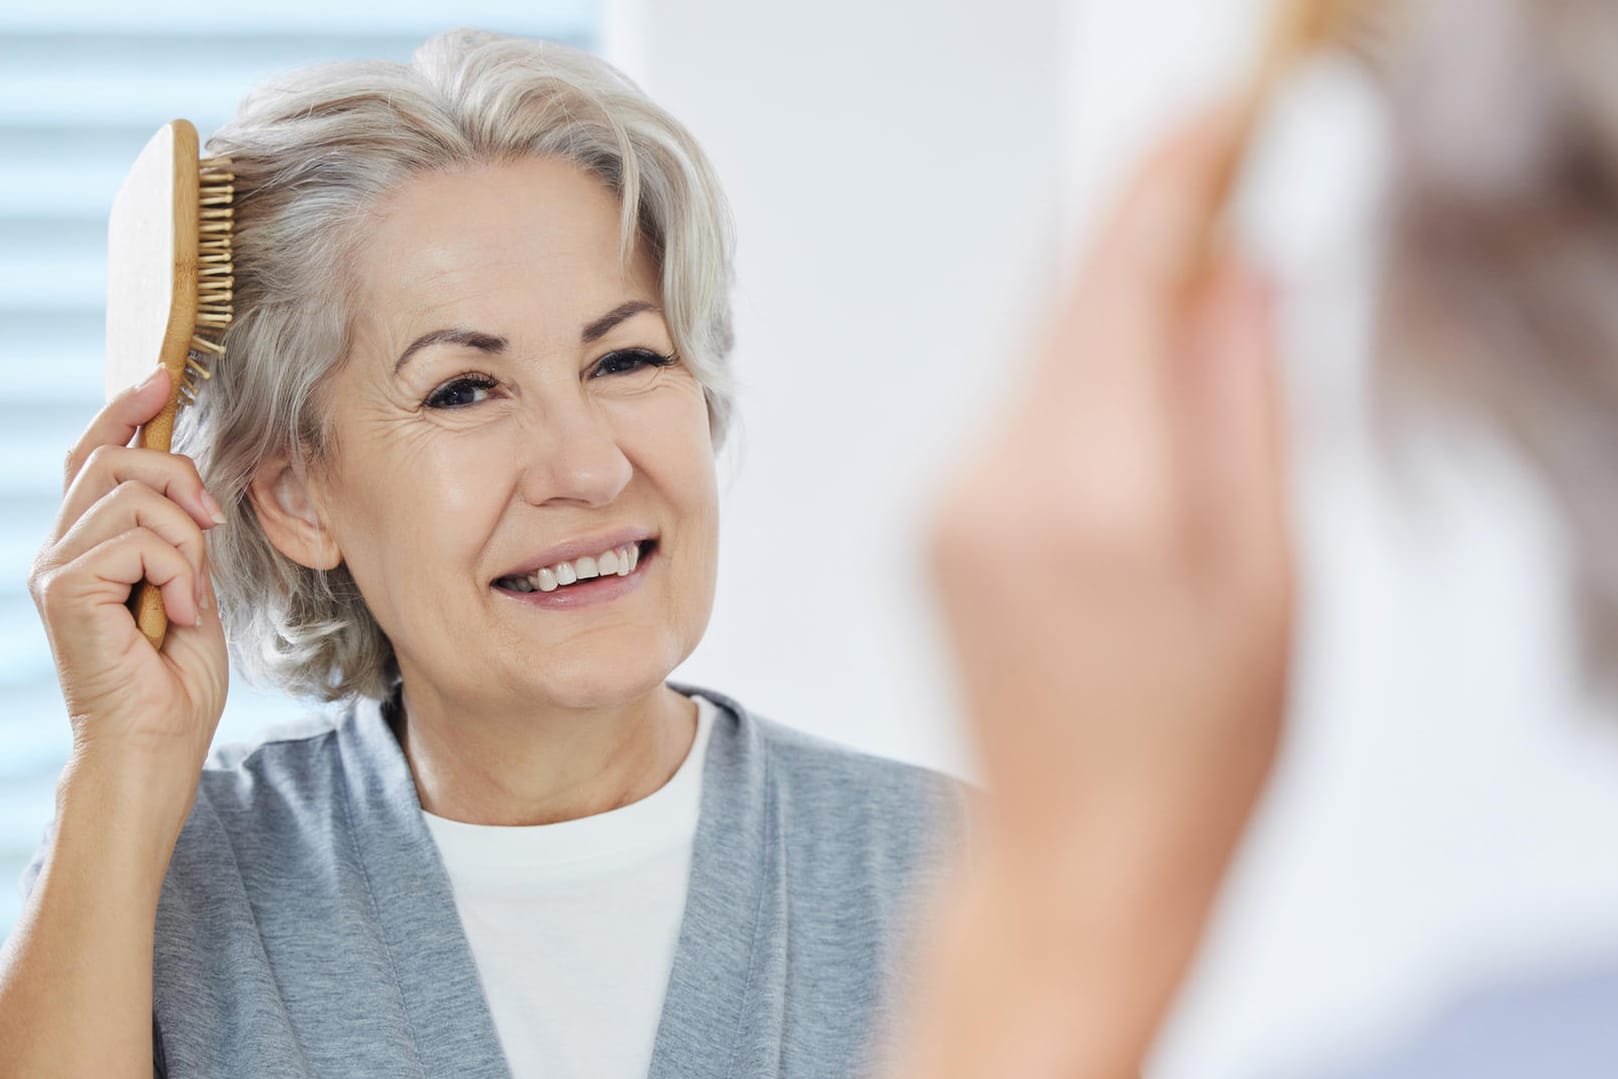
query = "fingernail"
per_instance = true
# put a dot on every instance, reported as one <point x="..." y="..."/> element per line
<point x="213" y="507"/>
<point x="157" y="375"/>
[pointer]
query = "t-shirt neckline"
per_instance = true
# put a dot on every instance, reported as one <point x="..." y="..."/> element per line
<point x="665" y="818"/>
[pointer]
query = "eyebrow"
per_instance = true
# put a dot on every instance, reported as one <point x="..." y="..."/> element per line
<point x="598" y="329"/>
<point x="494" y="344"/>
<point x="483" y="342"/>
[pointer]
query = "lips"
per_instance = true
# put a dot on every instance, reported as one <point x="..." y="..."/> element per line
<point x="585" y="546"/>
<point x="618" y="562"/>
<point x="544" y="591"/>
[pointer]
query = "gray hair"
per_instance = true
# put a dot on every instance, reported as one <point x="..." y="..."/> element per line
<point x="312" y="152"/>
<point x="1501" y="286"/>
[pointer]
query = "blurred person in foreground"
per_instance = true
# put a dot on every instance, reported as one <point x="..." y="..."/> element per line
<point x="1115" y="563"/>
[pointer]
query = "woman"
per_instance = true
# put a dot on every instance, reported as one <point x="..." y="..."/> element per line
<point x="457" y="468"/>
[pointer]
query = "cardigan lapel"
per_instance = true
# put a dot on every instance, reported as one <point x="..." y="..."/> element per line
<point x="717" y="1006"/>
<point x="434" y="971"/>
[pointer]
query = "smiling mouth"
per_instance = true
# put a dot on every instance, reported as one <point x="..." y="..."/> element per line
<point x="615" y="562"/>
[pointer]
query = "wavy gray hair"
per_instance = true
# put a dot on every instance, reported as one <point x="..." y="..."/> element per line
<point x="312" y="151"/>
<point x="1501" y="287"/>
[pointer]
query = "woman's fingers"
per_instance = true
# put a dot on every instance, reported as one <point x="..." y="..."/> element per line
<point x="115" y="492"/>
<point x="99" y="579"/>
<point x="108" y="467"/>
<point x="132" y="505"/>
<point x="117" y="423"/>
<point x="1104" y="385"/>
<point x="101" y="460"/>
<point x="1156" y="238"/>
<point x="1127" y="301"/>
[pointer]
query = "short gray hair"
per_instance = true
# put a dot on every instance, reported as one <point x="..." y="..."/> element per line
<point x="1501" y="291"/>
<point x="312" y="152"/>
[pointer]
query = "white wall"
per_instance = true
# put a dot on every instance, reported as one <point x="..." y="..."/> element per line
<point x="1445" y="805"/>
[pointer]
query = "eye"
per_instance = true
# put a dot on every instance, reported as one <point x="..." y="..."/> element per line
<point x="460" y="392"/>
<point x="631" y="359"/>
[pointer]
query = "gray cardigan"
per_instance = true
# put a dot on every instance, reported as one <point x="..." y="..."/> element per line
<point x="306" y="925"/>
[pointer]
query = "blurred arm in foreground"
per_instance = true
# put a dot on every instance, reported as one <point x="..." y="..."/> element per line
<point x="1115" y="571"/>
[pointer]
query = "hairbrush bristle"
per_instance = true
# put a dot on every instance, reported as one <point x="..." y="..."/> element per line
<point x="216" y="282"/>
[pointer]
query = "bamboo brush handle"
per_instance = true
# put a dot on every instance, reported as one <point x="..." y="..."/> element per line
<point x="146" y="602"/>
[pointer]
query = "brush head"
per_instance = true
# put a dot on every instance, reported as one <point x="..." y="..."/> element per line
<point x="152" y="260"/>
<point x="168" y="269"/>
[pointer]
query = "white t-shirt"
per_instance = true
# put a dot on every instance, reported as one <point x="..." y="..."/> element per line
<point x="573" y="925"/>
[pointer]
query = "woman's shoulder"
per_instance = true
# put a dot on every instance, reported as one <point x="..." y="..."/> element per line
<point x="287" y="758"/>
<point x="826" y="788"/>
<point x="814" y="764"/>
<point x="252" y="785"/>
<point x="282" y="790"/>
<point x="811" y="760"/>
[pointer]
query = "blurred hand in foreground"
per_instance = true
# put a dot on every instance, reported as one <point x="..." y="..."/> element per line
<point x="1114" y="566"/>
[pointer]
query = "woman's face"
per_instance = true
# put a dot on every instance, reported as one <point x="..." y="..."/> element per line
<point x="507" y="412"/>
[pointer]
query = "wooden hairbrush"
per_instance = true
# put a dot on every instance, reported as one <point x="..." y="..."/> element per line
<point x="1298" y="30"/>
<point x="169" y="288"/>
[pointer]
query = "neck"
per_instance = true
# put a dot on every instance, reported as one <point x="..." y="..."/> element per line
<point x="536" y="765"/>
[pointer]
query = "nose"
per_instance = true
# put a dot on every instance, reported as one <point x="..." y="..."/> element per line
<point x="570" y="453"/>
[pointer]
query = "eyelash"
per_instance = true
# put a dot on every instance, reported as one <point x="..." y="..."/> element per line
<point x="644" y="357"/>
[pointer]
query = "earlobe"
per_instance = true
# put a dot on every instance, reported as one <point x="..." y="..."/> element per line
<point x="290" y="514"/>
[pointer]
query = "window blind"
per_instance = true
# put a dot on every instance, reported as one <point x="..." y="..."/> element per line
<point x="83" y="85"/>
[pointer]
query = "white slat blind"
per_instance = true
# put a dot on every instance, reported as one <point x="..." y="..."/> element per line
<point x="83" y="84"/>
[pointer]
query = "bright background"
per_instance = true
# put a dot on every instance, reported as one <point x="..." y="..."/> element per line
<point x="908" y="178"/>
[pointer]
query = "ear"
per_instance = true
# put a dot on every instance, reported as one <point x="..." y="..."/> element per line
<point x="291" y="515"/>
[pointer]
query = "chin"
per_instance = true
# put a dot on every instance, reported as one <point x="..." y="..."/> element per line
<point x="604" y="682"/>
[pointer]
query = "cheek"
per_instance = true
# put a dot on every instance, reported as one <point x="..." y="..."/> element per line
<point x="673" y="450"/>
<point x="412" y="508"/>
<point x="665" y="435"/>
<point x="461" y="477"/>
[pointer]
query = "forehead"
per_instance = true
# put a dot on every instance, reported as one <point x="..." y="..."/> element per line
<point x="501" y="242"/>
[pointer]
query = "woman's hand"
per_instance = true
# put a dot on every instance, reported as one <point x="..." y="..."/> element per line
<point x="1114" y="567"/>
<point x="131" y="514"/>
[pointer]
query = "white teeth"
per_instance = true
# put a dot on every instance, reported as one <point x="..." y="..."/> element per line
<point x="620" y="561"/>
